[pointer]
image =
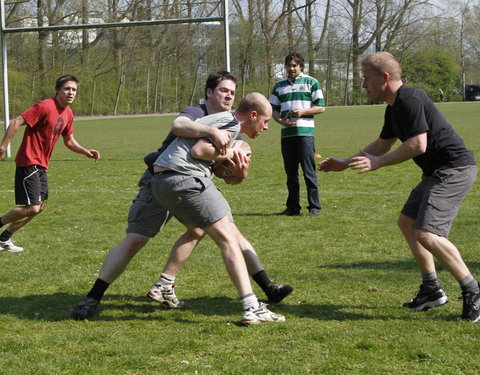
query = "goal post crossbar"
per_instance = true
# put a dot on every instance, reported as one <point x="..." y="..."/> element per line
<point x="5" y="30"/>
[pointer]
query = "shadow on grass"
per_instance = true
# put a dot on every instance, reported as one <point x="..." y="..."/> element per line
<point x="391" y="265"/>
<point x="58" y="306"/>
<point x="384" y="265"/>
<point x="276" y="214"/>
<point x="250" y="214"/>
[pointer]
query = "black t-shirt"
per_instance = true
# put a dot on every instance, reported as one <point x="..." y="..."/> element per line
<point x="413" y="113"/>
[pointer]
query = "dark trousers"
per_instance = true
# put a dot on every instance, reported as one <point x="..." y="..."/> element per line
<point x="297" y="151"/>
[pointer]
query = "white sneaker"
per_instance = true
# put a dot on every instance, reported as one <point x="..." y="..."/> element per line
<point x="10" y="246"/>
<point x="165" y="295"/>
<point x="261" y="315"/>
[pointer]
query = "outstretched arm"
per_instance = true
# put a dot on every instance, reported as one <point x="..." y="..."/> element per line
<point x="378" y="147"/>
<point x="72" y="144"/>
<point x="367" y="161"/>
<point x="12" y="129"/>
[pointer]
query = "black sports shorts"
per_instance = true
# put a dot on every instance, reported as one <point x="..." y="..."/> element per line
<point x="31" y="185"/>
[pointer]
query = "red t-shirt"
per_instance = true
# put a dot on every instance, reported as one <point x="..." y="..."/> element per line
<point x="46" y="121"/>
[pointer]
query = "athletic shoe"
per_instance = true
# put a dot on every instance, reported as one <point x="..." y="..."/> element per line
<point x="277" y="293"/>
<point x="471" y="307"/>
<point x="261" y="315"/>
<point x="85" y="308"/>
<point x="426" y="299"/>
<point x="165" y="295"/>
<point x="10" y="246"/>
<point x="314" y="212"/>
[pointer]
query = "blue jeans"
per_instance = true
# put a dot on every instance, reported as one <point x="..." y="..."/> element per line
<point x="300" y="150"/>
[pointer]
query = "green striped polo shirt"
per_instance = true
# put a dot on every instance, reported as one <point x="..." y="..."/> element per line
<point x="304" y="92"/>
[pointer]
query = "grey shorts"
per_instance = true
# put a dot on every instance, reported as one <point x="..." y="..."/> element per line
<point x="146" y="216"/>
<point x="192" y="200"/>
<point x="435" y="201"/>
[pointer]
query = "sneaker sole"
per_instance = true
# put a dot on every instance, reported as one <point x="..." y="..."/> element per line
<point x="164" y="302"/>
<point x="471" y="320"/>
<point x="428" y="305"/>
<point x="249" y="322"/>
<point x="259" y="321"/>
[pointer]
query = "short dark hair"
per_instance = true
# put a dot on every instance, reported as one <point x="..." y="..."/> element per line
<point x="296" y="57"/>
<point x="65" y="78"/>
<point x="215" y="78"/>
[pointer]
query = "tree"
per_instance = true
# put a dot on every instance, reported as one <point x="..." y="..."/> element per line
<point x="430" y="70"/>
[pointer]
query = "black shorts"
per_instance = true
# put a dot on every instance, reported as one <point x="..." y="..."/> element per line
<point x="31" y="185"/>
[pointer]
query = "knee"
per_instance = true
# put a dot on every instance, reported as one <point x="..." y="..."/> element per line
<point x="134" y="242"/>
<point x="405" y="223"/>
<point x="425" y="238"/>
<point x="35" y="210"/>
<point x="196" y="234"/>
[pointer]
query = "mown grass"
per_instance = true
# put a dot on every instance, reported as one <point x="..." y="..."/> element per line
<point x="350" y="268"/>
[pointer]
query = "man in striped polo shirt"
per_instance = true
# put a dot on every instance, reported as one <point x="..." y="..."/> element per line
<point x="295" y="100"/>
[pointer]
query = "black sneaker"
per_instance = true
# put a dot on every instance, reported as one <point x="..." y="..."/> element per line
<point x="471" y="307"/>
<point x="85" y="308"/>
<point x="288" y="212"/>
<point x="277" y="293"/>
<point x="426" y="299"/>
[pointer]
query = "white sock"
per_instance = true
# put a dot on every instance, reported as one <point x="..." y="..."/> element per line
<point x="249" y="301"/>
<point x="166" y="279"/>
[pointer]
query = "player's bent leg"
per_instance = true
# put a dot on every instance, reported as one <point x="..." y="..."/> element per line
<point x="423" y="257"/>
<point x="224" y="235"/>
<point x="24" y="214"/>
<point x="17" y="214"/>
<point x="182" y="249"/>
<point x="428" y="296"/>
<point x="445" y="251"/>
<point x="164" y="289"/>
<point x="120" y="256"/>
<point x="114" y="264"/>
<point x="275" y="293"/>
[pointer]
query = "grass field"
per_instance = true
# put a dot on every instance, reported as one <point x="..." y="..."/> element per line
<point x="350" y="268"/>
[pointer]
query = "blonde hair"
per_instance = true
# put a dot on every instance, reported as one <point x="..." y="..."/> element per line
<point x="253" y="101"/>
<point x="384" y="62"/>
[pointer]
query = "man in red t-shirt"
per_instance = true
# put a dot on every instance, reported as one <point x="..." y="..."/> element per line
<point x="47" y="121"/>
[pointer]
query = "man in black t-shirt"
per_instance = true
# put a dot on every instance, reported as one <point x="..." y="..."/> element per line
<point x="448" y="168"/>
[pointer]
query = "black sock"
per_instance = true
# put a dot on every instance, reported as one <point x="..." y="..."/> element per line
<point x="98" y="289"/>
<point x="5" y="236"/>
<point x="262" y="279"/>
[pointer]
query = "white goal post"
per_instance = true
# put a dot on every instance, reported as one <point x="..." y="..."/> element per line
<point x="4" y="31"/>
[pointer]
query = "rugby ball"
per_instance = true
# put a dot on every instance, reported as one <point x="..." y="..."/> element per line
<point x="219" y="169"/>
